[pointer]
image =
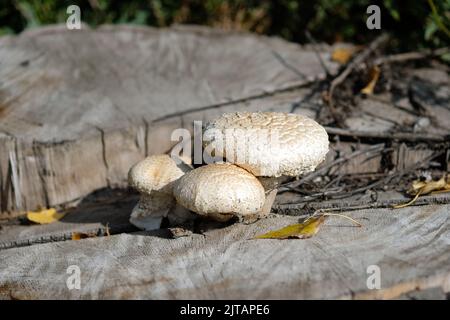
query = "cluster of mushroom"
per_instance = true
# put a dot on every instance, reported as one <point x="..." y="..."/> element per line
<point x="238" y="187"/>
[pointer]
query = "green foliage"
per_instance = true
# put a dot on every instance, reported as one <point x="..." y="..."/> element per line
<point x="422" y="23"/>
<point x="438" y="21"/>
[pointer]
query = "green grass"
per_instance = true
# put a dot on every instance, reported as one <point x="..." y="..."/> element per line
<point x="414" y="24"/>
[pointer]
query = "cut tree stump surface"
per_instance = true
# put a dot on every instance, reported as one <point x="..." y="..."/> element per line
<point x="78" y="108"/>
<point x="410" y="246"/>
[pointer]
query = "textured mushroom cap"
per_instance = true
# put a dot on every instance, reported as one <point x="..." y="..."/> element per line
<point x="268" y="143"/>
<point x="156" y="173"/>
<point x="220" y="191"/>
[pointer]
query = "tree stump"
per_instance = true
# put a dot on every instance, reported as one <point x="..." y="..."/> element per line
<point x="78" y="108"/>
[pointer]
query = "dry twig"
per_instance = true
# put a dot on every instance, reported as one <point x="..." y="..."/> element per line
<point x="408" y="56"/>
<point x="404" y="136"/>
<point x="371" y="149"/>
<point x="355" y="63"/>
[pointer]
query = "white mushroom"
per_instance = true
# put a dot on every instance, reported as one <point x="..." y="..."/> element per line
<point x="154" y="177"/>
<point x="269" y="144"/>
<point x="220" y="191"/>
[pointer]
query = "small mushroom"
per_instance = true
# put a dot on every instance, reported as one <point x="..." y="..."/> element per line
<point x="270" y="145"/>
<point x="154" y="178"/>
<point x="220" y="191"/>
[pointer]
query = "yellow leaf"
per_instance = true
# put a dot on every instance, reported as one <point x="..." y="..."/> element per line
<point x="417" y="185"/>
<point x="429" y="186"/>
<point x="374" y="75"/>
<point x="421" y="187"/>
<point x="44" y="216"/>
<point x="343" y="54"/>
<point x="434" y="186"/>
<point x="296" y="231"/>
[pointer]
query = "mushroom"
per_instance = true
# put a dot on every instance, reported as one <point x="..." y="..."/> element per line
<point x="270" y="145"/>
<point x="261" y="149"/>
<point x="220" y="191"/>
<point x="154" y="177"/>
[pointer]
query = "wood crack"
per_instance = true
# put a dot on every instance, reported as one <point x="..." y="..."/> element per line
<point x="146" y="128"/>
<point x="235" y="101"/>
<point x="41" y="169"/>
<point x="104" y="157"/>
<point x="97" y="232"/>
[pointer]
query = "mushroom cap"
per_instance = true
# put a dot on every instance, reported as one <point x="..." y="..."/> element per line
<point x="156" y="173"/>
<point x="220" y="191"/>
<point x="268" y="143"/>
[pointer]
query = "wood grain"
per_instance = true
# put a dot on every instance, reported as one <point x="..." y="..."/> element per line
<point x="409" y="245"/>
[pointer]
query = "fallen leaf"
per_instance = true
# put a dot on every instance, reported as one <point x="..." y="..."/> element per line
<point x="433" y="186"/>
<point x="374" y="75"/>
<point x="416" y="186"/>
<point x="45" y="216"/>
<point x="419" y="188"/>
<point x="296" y="231"/>
<point x="342" y="54"/>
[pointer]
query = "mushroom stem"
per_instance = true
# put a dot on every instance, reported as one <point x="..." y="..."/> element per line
<point x="270" y="198"/>
<point x="271" y="183"/>
<point x="179" y="215"/>
<point x="265" y="210"/>
<point x="151" y="209"/>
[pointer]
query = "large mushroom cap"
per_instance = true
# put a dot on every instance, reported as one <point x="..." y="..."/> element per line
<point x="268" y="143"/>
<point x="220" y="191"/>
<point x="156" y="173"/>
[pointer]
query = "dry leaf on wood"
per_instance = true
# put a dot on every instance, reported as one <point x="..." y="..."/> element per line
<point x="430" y="186"/>
<point x="419" y="188"/>
<point x="45" y="216"/>
<point x="296" y="231"/>
<point x="374" y="75"/>
<point x="343" y="54"/>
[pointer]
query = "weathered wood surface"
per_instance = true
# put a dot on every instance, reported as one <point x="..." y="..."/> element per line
<point x="104" y="213"/>
<point x="78" y="108"/>
<point x="292" y="204"/>
<point x="410" y="245"/>
<point x="108" y="213"/>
